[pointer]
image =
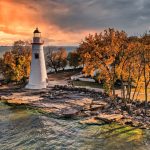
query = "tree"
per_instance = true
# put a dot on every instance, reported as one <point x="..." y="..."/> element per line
<point x="101" y="52"/>
<point x="56" y="59"/>
<point x="74" y="59"/>
<point x="16" y="63"/>
<point x="134" y="66"/>
<point x="145" y="58"/>
<point x="62" y="58"/>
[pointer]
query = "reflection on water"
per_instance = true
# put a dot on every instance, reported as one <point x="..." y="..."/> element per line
<point x="25" y="129"/>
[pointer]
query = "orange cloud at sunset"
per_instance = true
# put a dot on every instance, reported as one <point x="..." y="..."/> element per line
<point x="66" y="22"/>
<point x="18" y="20"/>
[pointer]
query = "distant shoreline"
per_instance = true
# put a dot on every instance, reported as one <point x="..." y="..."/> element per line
<point x="4" y="49"/>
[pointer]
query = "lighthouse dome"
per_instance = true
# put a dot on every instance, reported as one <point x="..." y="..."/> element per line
<point x="36" y="31"/>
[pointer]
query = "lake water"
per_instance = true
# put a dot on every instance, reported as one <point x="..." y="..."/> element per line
<point x="4" y="49"/>
<point x="23" y="129"/>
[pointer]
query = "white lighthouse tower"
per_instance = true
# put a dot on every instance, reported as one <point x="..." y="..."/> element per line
<point x="38" y="75"/>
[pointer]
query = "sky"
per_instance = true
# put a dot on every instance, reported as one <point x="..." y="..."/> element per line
<point x="67" y="22"/>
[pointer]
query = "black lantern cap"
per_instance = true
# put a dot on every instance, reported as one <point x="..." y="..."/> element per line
<point x="36" y="31"/>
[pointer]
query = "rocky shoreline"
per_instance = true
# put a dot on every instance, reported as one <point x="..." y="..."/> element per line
<point x="71" y="102"/>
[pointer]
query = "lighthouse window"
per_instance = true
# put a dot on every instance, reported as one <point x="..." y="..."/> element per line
<point x="36" y="56"/>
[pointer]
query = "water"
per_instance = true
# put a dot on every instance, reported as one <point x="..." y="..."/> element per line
<point x="4" y="49"/>
<point x="28" y="130"/>
<point x="68" y="48"/>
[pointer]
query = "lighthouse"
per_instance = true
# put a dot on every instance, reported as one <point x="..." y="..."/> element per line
<point x="38" y="75"/>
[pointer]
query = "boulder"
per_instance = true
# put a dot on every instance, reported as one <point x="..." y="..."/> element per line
<point x="107" y="107"/>
<point x="137" y="112"/>
<point x="87" y="113"/>
<point x="136" y="123"/>
<point x="69" y="112"/>
<point x="98" y="105"/>
<point x="93" y="107"/>
<point x="126" y="121"/>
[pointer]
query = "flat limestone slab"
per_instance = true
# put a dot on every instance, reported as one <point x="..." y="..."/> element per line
<point x="109" y="117"/>
<point x="91" y="121"/>
<point x="20" y="100"/>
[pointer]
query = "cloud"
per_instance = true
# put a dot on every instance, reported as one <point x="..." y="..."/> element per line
<point x="62" y="19"/>
<point x="74" y="15"/>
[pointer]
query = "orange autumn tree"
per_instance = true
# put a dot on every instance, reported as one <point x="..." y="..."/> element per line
<point x="134" y="68"/>
<point x="101" y="53"/>
<point x="129" y="70"/>
<point x="62" y="58"/>
<point x="145" y="58"/>
<point x="56" y="59"/>
<point x="74" y="59"/>
<point x="16" y="63"/>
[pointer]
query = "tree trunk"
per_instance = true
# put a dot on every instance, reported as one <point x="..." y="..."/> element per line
<point x="138" y="93"/>
<point x="55" y="69"/>
<point x="113" y="81"/>
<point x="123" y="89"/>
<point x="129" y="85"/>
<point x="145" y="86"/>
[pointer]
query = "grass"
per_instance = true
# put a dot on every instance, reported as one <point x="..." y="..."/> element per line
<point x="141" y="95"/>
<point x="90" y="84"/>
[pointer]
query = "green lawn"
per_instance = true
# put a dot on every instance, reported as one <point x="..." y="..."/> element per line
<point x="141" y="95"/>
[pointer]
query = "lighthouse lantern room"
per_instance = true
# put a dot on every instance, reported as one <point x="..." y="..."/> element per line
<point x="38" y="75"/>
